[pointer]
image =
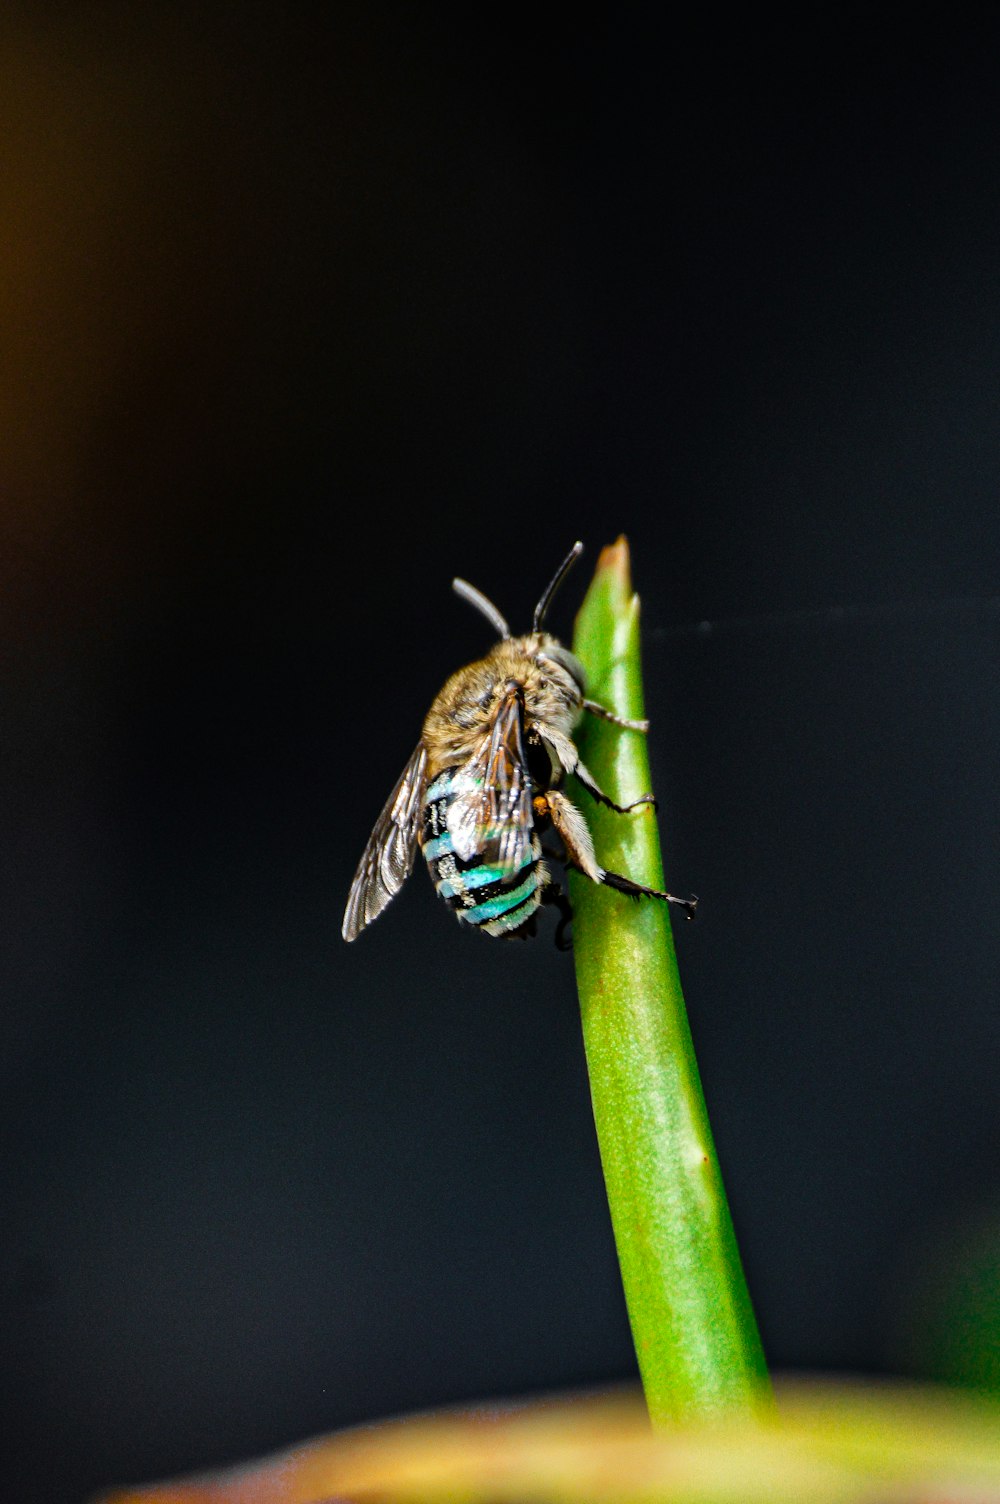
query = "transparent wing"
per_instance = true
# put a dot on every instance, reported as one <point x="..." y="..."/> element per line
<point x="388" y="857"/>
<point x="491" y="811"/>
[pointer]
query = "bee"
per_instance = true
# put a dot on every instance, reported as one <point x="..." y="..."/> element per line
<point x="485" y="782"/>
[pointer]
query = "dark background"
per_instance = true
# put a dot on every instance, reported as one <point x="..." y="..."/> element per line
<point x="303" y="312"/>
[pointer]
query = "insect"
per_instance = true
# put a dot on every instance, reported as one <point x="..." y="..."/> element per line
<point x="484" y="783"/>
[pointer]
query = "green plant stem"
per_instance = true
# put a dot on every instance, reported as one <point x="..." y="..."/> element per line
<point x="692" y="1321"/>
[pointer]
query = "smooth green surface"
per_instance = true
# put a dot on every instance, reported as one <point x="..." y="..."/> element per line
<point x="694" y="1329"/>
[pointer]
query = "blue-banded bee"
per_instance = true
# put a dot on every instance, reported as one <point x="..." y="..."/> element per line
<point x="485" y="782"/>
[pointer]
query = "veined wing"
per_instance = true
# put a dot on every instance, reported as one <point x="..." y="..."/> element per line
<point x="389" y="855"/>
<point x="492" y="805"/>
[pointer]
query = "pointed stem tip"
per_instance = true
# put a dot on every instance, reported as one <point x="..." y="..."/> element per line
<point x="614" y="564"/>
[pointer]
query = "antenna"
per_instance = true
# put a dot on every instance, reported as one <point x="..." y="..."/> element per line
<point x="557" y="579"/>
<point x="478" y="599"/>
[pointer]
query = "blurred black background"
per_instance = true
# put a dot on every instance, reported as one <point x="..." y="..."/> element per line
<point x="302" y="312"/>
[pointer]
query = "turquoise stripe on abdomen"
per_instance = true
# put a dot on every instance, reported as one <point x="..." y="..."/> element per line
<point x="507" y="923"/>
<point x="449" y="783"/>
<point x="439" y="789"/>
<point x="438" y="847"/>
<point x="460" y="881"/>
<point x="492" y="908"/>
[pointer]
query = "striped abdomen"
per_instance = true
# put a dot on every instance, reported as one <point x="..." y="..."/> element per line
<point x="482" y="890"/>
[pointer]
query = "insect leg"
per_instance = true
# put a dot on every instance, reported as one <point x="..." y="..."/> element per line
<point x="572" y="828"/>
<point x="596" y="792"/>
<point x="555" y="896"/>
<point x="576" y="837"/>
<point x="570" y="760"/>
<point x="616" y="720"/>
<point x="639" y="890"/>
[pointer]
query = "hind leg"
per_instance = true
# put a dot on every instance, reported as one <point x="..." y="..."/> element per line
<point x="572" y="828"/>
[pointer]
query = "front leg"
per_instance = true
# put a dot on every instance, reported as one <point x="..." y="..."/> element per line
<point x="564" y="749"/>
<point x="616" y="720"/>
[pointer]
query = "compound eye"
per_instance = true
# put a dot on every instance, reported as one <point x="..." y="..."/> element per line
<point x="570" y="663"/>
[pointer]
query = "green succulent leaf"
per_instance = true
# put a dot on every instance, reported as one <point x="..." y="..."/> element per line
<point x="692" y="1321"/>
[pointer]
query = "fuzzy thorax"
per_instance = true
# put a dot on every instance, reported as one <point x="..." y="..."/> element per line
<point x="546" y="675"/>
